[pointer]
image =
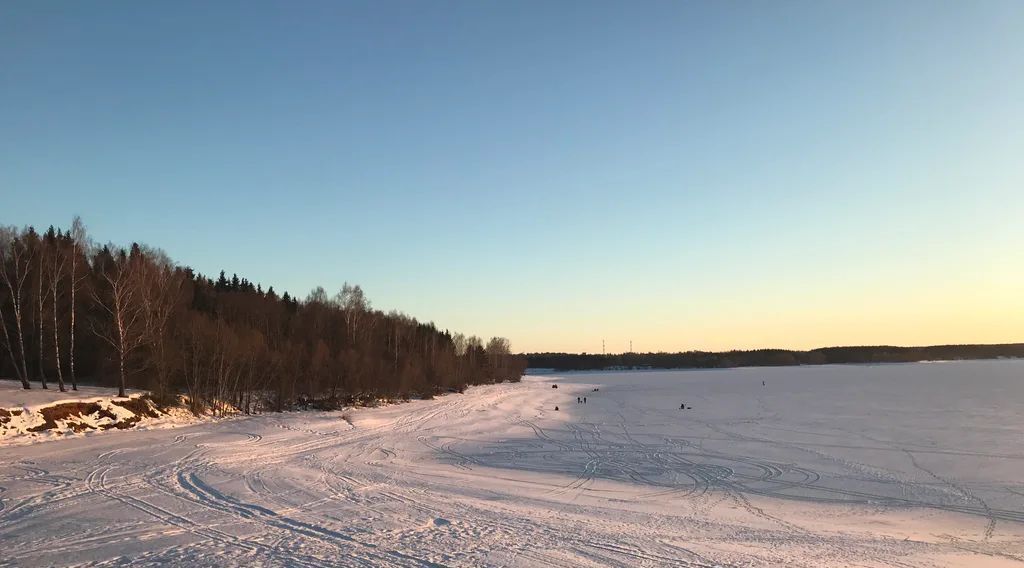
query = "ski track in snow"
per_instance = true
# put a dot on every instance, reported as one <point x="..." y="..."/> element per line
<point x="898" y="465"/>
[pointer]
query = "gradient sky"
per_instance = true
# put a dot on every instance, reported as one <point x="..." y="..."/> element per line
<point x="685" y="175"/>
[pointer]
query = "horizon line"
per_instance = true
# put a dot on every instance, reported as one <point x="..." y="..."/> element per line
<point x="933" y="346"/>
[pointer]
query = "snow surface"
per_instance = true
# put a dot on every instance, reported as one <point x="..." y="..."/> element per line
<point x="13" y="396"/>
<point x="888" y="465"/>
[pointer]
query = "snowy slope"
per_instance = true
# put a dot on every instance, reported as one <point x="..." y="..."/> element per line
<point x="35" y="415"/>
<point x="891" y="465"/>
<point x="13" y="396"/>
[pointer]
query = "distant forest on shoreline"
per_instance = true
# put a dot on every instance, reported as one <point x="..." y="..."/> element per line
<point x="770" y="357"/>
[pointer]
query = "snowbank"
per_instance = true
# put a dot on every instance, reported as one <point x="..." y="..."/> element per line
<point x="12" y="395"/>
<point x="37" y="414"/>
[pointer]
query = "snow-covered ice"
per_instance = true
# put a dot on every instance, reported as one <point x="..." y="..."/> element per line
<point x="887" y="465"/>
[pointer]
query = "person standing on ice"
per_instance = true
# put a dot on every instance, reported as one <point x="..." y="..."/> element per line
<point x="584" y="400"/>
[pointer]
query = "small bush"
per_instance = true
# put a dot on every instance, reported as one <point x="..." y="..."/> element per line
<point x="328" y="404"/>
<point x="164" y="401"/>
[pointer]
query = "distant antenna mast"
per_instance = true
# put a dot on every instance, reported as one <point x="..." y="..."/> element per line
<point x="602" y="347"/>
<point x="630" y="345"/>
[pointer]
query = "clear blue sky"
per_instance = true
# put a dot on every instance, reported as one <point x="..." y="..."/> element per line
<point x="683" y="174"/>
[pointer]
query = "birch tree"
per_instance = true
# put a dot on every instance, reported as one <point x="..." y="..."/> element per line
<point x="79" y="247"/>
<point x="117" y="296"/>
<point x="39" y="300"/>
<point x="15" y="265"/>
<point x="354" y="306"/>
<point x="55" y="273"/>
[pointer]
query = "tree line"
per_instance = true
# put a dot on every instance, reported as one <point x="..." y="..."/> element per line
<point x="71" y="310"/>
<point x="770" y="357"/>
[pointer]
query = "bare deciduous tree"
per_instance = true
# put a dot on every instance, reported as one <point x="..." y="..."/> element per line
<point x="498" y="350"/>
<point x="158" y="285"/>
<point x="15" y="265"/>
<point x="354" y="305"/>
<point x="118" y="298"/>
<point x="40" y="300"/>
<point x="79" y="246"/>
<point x="55" y="273"/>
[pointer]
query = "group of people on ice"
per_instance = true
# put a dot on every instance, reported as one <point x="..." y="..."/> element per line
<point x="579" y="399"/>
<point x="682" y="405"/>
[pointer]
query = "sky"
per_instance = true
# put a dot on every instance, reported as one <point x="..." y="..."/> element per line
<point x="679" y="175"/>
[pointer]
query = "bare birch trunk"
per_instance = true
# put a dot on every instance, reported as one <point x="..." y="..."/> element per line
<point x="40" y="297"/>
<point x="13" y="252"/>
<point x="71" y="325"/>
<point x="56" y="342"/>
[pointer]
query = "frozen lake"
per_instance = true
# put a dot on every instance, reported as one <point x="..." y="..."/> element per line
<point x="885" y="465"/>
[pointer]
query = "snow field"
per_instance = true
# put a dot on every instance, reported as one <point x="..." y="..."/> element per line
<point x="889" y="465"/>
